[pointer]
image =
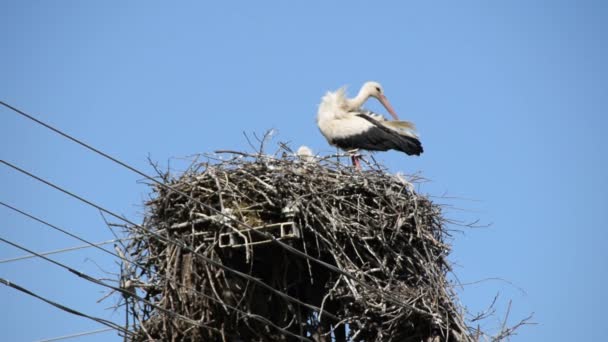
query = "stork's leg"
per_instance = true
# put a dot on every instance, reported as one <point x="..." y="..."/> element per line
<point x="340" y="333"/>
<point x="356" y="163"/>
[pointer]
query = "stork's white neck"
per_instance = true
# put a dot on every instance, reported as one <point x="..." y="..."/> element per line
<point x="357" y="101"/>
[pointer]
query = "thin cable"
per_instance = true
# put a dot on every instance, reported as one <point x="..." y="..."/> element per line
<point x="176" y="243"/>
<point x="63" y="250"/>
<point x="107" y="323"/>
<point x="390" y="297"/>
<point x="57" y="228"/>
<point x="85" y="333"/>
<point x="247" y="314"/>
<point x="123" y="291"/>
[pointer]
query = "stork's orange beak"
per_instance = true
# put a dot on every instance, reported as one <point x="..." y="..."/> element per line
<point x="388" y="106"/>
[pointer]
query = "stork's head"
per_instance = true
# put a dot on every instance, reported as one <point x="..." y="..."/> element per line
<point x="374" y="89"/>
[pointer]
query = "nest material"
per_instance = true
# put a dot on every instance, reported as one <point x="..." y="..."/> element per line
<point x="369" y="224"/>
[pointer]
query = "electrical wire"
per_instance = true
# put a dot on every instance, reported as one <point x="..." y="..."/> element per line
<point x="118" y="289"/>
<point x="56" y="228"/>
<point x="63" y="250"/>
<point x="105" y="322"/>
<point x="80" y="334"/>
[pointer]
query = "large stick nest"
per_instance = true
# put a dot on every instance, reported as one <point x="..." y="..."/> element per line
<point x="389" y="240"/>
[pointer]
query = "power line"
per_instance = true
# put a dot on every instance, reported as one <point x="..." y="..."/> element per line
<point x="105" y="322"/>
<point x="176" y="243"/>
<point x="118" y="289"/>
<point x="85" y="333"/>
<point x="63" y="250"/>
<point x="57" y="228"/>
<point x="253" y="316"/>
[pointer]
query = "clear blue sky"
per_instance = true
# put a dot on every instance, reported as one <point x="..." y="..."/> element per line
<point x="510" y="97"/>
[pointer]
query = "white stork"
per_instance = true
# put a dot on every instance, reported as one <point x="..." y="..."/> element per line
<point x="346" y="125"/>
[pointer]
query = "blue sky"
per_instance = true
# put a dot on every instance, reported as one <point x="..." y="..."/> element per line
<point x="510" y="98"/>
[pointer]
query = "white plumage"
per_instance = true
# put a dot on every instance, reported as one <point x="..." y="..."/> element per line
<point x="335" y="118"/>
<point x="305" y="153"/>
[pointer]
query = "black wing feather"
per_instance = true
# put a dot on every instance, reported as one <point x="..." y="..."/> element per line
<point x="380" y="138"/>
